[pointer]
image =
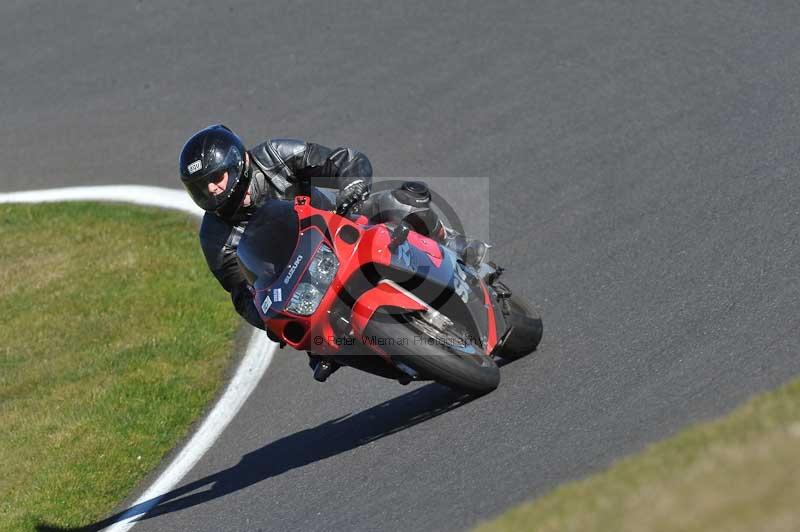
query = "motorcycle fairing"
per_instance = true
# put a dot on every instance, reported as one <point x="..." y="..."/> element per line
<point x="420" y="266"/>
<point x="382" y="296"/>
<point x="447" y="286"/>
<point x="280" y="291"/>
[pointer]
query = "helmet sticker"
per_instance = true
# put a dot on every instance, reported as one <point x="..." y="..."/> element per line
<point x="194" y="167"/>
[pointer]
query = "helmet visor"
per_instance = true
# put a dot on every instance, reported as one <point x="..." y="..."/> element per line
<point x="199" y="189"/>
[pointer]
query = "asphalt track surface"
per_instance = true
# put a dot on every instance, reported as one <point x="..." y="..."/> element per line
<point x="644" y="192"/>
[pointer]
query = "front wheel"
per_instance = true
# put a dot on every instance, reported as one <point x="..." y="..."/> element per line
<point x="462" y="366"/>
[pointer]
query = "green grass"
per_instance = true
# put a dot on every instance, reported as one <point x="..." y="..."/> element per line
<point x="113" y="338"/>
<point x="741" y="472"/>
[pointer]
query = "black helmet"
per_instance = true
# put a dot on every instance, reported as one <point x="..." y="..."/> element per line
<point x="207" y="155"/>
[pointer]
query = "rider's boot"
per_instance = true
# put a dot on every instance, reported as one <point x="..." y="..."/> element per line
<point x="322" y="367"/>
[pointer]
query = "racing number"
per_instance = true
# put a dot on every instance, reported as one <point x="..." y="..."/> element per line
<point x="460" y="283"/>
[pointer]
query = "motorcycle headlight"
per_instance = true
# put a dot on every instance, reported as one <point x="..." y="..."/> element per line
<point x="315" y="282"/>
<point x="305" y="299"/>
<point x="324" y="266"/>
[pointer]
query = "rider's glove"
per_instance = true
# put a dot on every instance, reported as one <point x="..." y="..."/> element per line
<point x="351" y="195"/>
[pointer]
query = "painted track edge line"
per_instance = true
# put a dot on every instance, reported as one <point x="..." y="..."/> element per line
<point x="254" y="364"/>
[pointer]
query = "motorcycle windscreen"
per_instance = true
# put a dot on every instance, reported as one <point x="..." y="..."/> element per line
<point x="268" y="242"/>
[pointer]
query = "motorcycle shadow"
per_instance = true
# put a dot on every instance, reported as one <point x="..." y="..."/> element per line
<point x="302" y="448"/>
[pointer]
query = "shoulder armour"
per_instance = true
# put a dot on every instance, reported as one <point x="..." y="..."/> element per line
<point x="274" y="153"/>
<point x="287" y="148"/>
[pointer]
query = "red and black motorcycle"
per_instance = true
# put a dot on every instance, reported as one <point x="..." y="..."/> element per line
<point x="381" y="298"/>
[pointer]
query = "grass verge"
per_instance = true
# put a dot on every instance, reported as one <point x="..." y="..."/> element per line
<point x="113" y="338"/>
<point x="741" y="472"/>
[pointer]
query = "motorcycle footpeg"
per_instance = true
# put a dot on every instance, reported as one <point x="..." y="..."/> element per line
<point x="324" y="369"/>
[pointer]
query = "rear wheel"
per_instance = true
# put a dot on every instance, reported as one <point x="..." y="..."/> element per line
<point x="527" y="332"/>
<point x="446" y="357"/>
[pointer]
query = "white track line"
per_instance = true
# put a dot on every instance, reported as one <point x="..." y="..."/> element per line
<point x="252" y="367"/>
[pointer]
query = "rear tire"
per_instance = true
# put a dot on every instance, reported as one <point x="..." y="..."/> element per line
<point x="475" y="374"/>
<point x="527" y="333"/>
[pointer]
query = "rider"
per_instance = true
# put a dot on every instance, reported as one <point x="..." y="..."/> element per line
<point x="231" y="182"/>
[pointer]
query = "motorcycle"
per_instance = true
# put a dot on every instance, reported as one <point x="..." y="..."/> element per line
<point x="381" y="297"/>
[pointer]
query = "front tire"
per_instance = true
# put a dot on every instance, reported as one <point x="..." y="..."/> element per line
<point x="468" y="369"/>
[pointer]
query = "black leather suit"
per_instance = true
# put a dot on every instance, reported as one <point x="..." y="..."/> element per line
<point x="275" y="164"/>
